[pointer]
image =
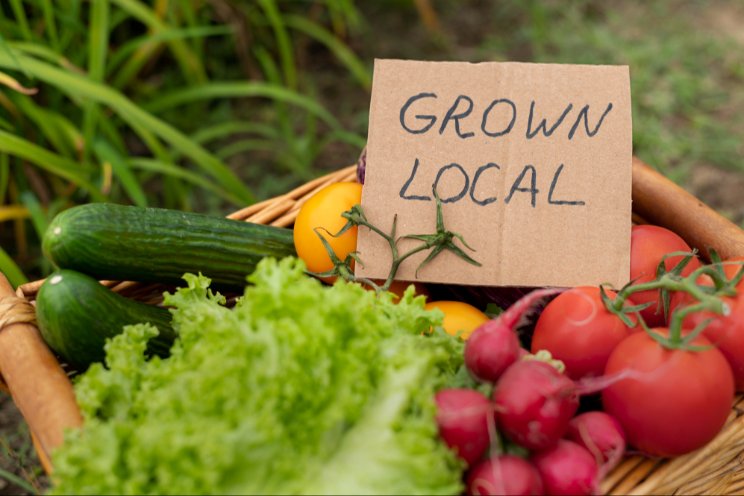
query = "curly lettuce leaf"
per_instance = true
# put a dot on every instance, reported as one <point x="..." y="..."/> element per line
<point x="298" y="389"/>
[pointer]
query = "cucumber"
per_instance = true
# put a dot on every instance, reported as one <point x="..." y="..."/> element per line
<point x="76" y="314"/>
<point x="117" y="242"/>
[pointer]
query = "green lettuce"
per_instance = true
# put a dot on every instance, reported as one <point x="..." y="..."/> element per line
<point x="298" y="389"/>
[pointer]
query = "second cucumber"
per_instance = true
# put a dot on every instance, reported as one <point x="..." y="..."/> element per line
<point x="118" y="242"/>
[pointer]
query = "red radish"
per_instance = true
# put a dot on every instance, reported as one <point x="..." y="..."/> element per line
<point x="567" y="468"/>
<point x="494" y="346"/>
<point x="465" y="418"/>
<point x="504" y="474"/>
<point x="534" y="404"/>
<point x="491" y="349"/>
<point x="602" y="435"/>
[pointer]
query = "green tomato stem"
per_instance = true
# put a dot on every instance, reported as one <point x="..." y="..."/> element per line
<point x="708" y="299"/>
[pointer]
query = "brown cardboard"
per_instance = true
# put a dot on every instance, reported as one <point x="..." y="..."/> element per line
<point x="581" y="236"/>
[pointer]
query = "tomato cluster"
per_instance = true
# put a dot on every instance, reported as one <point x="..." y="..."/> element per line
<point x="669" y="400"/>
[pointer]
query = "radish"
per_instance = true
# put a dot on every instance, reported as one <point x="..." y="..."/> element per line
<point x="602" y="435"/>
<point x="567" y="468"/>
<point x="504" y="474"/>
<point x="534" y="404"/>
<point x="490" y="350"/>
<point x="466" y="422"/>
<point x="494" y="346"/>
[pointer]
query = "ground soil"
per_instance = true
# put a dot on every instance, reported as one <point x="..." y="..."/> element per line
<point x="16" y="452"/>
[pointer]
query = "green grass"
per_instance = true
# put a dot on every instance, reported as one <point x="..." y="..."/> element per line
<point x="683" y="73"/>
<point x="107" y="101"/>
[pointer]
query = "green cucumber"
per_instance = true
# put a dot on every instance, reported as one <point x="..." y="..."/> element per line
<point x="117" y="242"/>
<point x="76" y="314"/>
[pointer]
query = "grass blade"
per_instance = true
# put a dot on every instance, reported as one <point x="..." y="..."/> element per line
<point x="273" y="76"/>
<point x="112" y="133"/>
<point x="191" y="13"/>
<point x="343" y="53"/>
<point x="258" y="89"/>
<point x="136" y="62"/>
<point x="13" y="212"/>
<point x="50" y="24"/>
<point x="245" y="145"/>
<point x="46" y="122"/>
<point x="38" y="218"/>
<point x="97" y="49"/>
<point x="9" y="476"/>
<point x="76" y="85"/>
<point x="5" y="47"/>
<point x="169" y="169"/>
<point x="4" y="176"/>
<point x="14" y="274"/>
<point x="106" y="153"/>
<point x="343" y="136"/>
<point x="48" y="161"/>
<point x="343" y="13"/>
<point x="128" y="48"/>
<point x="13" y="84"/>
<point x="45" y="53"/>
<point x="5" y="124"/>
<point x="20" y="16"/>
<point x="229" y="128"/>
<point x="190" y="64"/>
<point x="286" y="52"/>
<point x="71" y="24"/>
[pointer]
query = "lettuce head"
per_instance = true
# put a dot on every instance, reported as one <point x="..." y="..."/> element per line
<point x="299" y="388"/>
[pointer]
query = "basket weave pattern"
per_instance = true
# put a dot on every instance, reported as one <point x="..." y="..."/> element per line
<point x="715" y="469"/>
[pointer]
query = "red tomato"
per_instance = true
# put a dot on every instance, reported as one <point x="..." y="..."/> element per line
<point x="730" y="269"/>
<point x="726" y="332"/>
<point x="648" y="245"/>
<point x="675" y="402"/>
<point x="577" y="329"/>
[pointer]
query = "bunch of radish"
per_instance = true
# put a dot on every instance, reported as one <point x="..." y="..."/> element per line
<point x="534" y="406"/>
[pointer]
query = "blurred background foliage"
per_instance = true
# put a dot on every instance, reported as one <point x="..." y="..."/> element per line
<point x="209" y="105"/>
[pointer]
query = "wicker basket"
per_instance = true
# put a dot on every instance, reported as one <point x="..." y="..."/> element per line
<point x="43" y="393"/>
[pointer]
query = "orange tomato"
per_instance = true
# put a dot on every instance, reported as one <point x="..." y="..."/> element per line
<point x="459" y="317"/>
<point x="323" y="211"/>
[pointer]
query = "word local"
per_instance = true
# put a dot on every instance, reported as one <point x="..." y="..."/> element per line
<point x="522" y="184"/>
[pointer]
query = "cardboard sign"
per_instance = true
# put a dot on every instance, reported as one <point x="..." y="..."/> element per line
<point x="531" y="161"/>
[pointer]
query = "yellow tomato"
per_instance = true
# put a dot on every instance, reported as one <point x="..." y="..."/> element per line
<point x="459" y="317"/>
<point x="323" y="211"/>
